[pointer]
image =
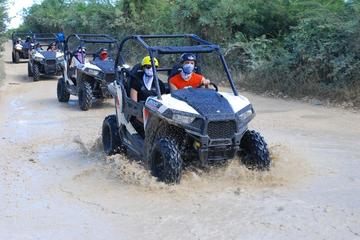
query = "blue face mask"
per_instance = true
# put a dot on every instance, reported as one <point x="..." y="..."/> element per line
<point x="188" y="68"/>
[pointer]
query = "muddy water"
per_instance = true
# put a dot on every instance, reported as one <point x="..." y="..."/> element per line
<point x="55" y="182"/>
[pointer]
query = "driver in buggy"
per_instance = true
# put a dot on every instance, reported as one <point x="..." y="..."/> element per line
<point x="187" y="77"/>
<point x="27" y="43"/>
<point x="18" y="41"/>
<point x="38" y="47"/>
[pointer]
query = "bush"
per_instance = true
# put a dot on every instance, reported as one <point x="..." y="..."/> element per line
<point x="299" y="47"/>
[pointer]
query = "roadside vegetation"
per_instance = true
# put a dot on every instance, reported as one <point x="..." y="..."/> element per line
<point x="3" y="20"/>
<point x="299" y="48"/>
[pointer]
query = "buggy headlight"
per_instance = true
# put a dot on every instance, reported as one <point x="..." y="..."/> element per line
<point x="18" y="47"/>
<point x="245" y="116"/>
<point x="183" y="118"/>
<point x="39" y="59"/>
<point x="60" y="59"/>
<point x="92" y="71"/>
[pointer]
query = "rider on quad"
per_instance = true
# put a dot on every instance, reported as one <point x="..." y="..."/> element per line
<point x="52" y="47"/>
<point x="143" y="84"/>
<point x="187" y="77"/>
<point x="103" y="54"/>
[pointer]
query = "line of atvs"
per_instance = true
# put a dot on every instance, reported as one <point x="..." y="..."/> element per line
<point x="169" y="131"/>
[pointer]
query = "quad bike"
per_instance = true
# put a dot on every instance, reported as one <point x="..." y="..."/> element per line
<point x="42" y="61"/>
<point x="21" y="47"/>
<point x="200" y="125"/>
<point x="87" y="79"/>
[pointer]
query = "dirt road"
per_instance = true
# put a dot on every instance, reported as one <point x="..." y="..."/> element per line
<point x="55" y="183"/>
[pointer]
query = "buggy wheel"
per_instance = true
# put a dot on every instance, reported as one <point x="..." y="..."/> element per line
<point x="110" y="136"/>
<point x="13" y="57"/>
<point x="165" y="160"/>
<point x="35" y="72"/>
<point x="255" y="154"/>
<point x="30" y="74"/>
<point x="62" y="94"/>
<point x="85" y="95"/>
<point x="17" y="57"/>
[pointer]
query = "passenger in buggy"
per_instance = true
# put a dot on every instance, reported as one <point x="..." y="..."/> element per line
<point x="52" y="47"/>
<point x="142" y="86"/>
<point x="78" y="58"/>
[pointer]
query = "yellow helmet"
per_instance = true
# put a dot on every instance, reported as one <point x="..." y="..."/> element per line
<point x="147" y="61"/>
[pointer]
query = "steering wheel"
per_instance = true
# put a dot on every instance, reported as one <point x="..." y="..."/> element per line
<point x="212" y="84"/>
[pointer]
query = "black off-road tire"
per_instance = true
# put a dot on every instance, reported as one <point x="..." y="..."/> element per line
<point x="165" y="159"/>
<point x="62" y="93"/>
<point x="30" y="74"/>
<point x="255" y="154"/>
<point x="12" y="57"/>
<point x="85" y="95"/>
<point x="35" y="72"/>
<point x="17" y="57"/>
<point x="111" y="139"/>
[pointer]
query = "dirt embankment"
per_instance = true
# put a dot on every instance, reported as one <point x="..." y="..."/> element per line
<point x="56" y="184"/>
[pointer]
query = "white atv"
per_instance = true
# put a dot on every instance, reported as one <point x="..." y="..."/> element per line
<point x="45" y="62"/>
<point x="20" y="49"/>
<point x="87" y="79"/>
<point x="189" y="125"/>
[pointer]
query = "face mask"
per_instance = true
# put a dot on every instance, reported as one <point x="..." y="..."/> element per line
<point x="148" y="81"/>
<point x="149" y="72"/>
<point x="188" y="68"/>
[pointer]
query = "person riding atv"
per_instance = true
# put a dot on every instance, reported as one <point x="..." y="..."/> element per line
<point x="143" y="86"/>
<point x="20" y="48"/>
<point x="185" y="126"/>
<point x="88" y="70"/>
<point x="187" y="77"/>
<point x="49" y="62"/>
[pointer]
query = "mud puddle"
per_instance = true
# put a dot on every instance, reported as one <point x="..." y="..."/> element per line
<point x="288" y="169"/>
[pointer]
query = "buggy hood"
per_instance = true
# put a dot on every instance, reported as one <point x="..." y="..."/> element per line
<point x="206" y="102"/>
<point x="105" y="66"/>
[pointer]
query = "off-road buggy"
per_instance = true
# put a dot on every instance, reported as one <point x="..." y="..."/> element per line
<point x="191" y="125"/>
<point x="22" y="43"/>
<point x="42" y="60"/>
<point x="85" y="75"/>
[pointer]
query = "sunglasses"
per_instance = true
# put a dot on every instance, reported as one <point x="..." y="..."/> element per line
<point x="148" y="66"/>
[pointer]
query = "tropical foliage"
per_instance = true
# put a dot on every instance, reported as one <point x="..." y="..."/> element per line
<point x="295" y="47"/>
<point x="3" y="20"/>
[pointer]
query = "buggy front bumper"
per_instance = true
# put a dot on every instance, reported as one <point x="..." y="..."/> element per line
<point x="212" y="150"/>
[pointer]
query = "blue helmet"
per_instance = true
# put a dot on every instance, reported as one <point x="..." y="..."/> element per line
<point x="188" y="57"/>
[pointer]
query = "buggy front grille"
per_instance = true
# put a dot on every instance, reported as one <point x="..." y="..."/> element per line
<point x="50" y="62"/>
<point x="109" y="77"/>
<point x="221" y="129"/>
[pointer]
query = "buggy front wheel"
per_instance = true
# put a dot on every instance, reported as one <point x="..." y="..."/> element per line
<point x="62" y="94"/>
<point x="35" y="72"/>
<point x="85" y="96"/>
<point x="30" y="74"/>
<point x="110" y="136"/>
<point x="254" y="152"/>
<point x="17" y="57"/>
<point x="165" y="160"/>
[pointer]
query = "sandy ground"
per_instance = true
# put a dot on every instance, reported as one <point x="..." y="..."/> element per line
<point x="55" y="183"/>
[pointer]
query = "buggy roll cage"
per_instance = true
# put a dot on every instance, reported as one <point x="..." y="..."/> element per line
<point x="18" y="34"/>
<point x="202" y="47"/>
<point x="44" y="39"/>
<point x="90" y="38"/>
